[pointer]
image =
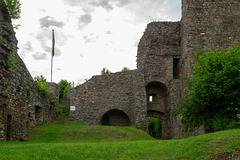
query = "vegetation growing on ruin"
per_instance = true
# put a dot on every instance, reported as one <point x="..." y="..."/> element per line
<point x="64" y="86"/>
<point x="54" y="102"/>
<point x="105" y="71"/>
<point x="13" y="60"/>
<point x="155" y="127"/>
<point x="125" y="69"/>
<point x="42" y="85"/>
<point x="13" y="7"/>
<point x="213" y="91"/>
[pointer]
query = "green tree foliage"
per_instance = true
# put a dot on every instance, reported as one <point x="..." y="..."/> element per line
<point x="42" y="85"/>
<point x="54" y="102"/>
<point x="64" y="86"/>
<point x="125" y="69"/>
<point x="105" y="71"/>
<point x="13" y="8"/>
<point x="213" y="91"/>
<point x="155" y="127"/>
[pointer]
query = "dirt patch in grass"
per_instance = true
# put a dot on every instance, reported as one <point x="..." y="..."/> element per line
<point x="229" y="156"/>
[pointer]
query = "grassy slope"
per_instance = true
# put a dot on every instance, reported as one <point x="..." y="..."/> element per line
<point x="72" y="140"/>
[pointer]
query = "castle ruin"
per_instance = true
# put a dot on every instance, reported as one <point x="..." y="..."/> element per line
<point x="165" y="51"/>
<point x="22" y="106"/>
<point x="154" y="89"/>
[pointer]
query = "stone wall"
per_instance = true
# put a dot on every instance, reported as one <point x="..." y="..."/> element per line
<point x="213" y="24"/>
<point x="104" y="93"/>
<point x="21" y="105"/>
<point x="165" y="50"/>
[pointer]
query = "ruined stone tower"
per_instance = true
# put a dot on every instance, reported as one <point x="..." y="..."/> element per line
<point x="165" y="51"/>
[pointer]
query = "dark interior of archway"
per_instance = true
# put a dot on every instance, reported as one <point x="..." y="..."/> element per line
<point x="155" y="127"/>
<point x="116" y="118"/>
<point x="9" y="127"/>
<point x="38" y="111"/>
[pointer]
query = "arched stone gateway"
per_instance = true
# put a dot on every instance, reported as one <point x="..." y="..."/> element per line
<point x="157" y="106"/>
<point x="115" y="118"/>
<point x="156" y="114"/>
<point x="156" y="96"/>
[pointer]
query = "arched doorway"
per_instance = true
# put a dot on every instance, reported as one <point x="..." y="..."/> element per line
<point x="156" y="96"/>
<point x="38" y="114"/>
<point x="115" y="117"/>
<point x="155" y="119"/>
<point x="157" y="106"/>
<point x="9" y="127"/>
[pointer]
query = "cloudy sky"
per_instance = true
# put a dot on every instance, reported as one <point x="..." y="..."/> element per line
<point x="89" y="34"/>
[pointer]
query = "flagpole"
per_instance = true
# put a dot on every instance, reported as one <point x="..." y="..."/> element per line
<point x="53" y="44"/>
<point x="51" y="67"/>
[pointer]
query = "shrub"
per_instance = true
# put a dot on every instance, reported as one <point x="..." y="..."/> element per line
<point x="13" y="8"/>
<point x="125" y="69"/>
<point x="213" y="91"/>
<point x="42" y="85"/>
<point x="64" y="86"/>
<point x="54" y="102"/>
<point x="105" y="71"/>
<point x="155" y="127"/>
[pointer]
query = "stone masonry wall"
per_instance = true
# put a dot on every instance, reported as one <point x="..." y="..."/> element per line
<point x="104" y="93"/>
<point x="158" y="59"/>
<point x="213" y="24"/>
<point x="165" y="50"/>
<point x="21" y="105"/>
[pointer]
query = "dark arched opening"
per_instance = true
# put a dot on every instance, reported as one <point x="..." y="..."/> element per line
<point x="38" y="114"/>
<point x="157" y="106"/>
<point x="156" y="96"/>
<point x="9" y="127"/>
<point x="115" y="118"/>
<point x="155" y="119"/>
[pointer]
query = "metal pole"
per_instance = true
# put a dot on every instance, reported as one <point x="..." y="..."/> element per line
<point x="51" y="67"/>
<point x="53" y="44"/>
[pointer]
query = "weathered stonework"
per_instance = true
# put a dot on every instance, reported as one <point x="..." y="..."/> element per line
<point x="101" y="94"/>
<point x="21" y="105"/>
<point x="154" y="89"/>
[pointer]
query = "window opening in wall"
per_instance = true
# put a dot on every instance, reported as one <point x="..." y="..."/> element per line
<point x="176" y="67"/>
<point x="150" y="98"/>
<point x="9" y="127"/>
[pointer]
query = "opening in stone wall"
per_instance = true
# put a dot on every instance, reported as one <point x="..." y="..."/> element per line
<point x="115" y="118"/>
<point x="176" y="68"/>
<point x="9" y="127"/>
<point x="38" y="113"/>
<point x="155" y="119"/>
<point x="150" y="98"/>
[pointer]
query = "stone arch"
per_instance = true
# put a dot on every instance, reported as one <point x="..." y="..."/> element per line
<point x="156" y="96"/>
<point x="157" y="106"/>
<point x="156" y="114"/>
<point x="115" y="117"/>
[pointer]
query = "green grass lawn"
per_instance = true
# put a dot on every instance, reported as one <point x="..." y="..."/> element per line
<point x="67" y="140"/>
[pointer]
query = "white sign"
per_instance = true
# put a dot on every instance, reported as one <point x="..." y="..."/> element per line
<point x="72" y="108"/>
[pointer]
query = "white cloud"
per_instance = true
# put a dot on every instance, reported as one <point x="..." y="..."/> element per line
<point x="89" y="34"/>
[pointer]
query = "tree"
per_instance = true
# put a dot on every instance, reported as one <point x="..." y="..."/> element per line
<point x="64" y="86"/>
<point x="105" y="71"/>
<point x="213" y="91"/>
